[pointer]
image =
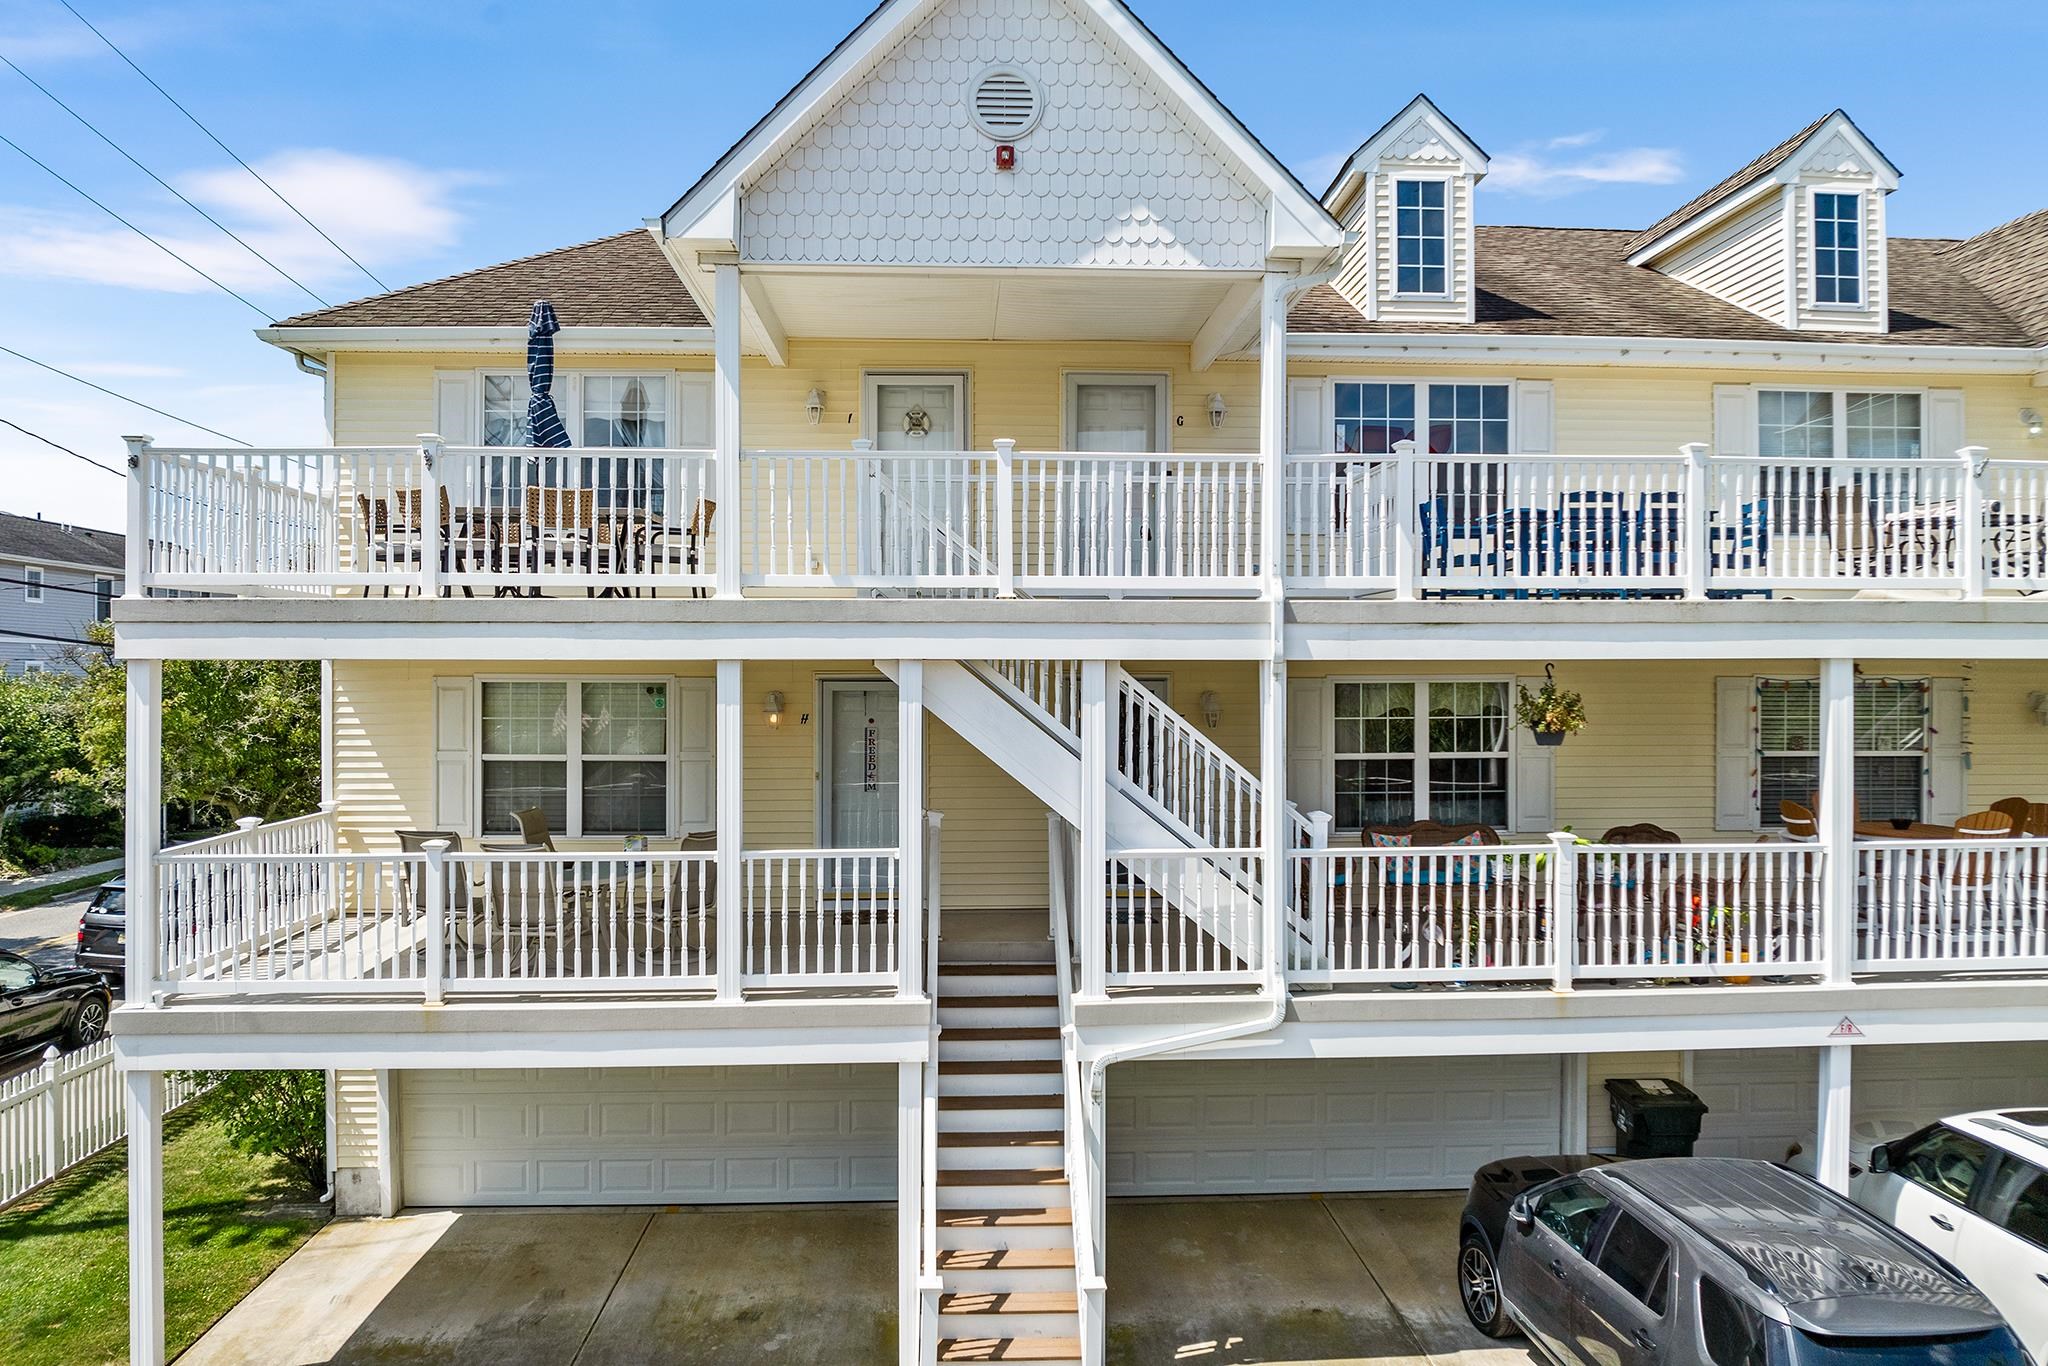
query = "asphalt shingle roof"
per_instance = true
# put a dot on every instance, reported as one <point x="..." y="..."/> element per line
<point x="617" y="281"/>
<point x="33" y="539"/>
<point x="1748" y="175"/>
<point x="2010" y="264"/>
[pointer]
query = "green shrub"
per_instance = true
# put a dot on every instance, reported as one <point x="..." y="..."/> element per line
<point x="276" y="1114"/>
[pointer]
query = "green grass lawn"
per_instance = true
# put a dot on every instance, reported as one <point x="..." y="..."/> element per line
<point x="228" y="1220"/>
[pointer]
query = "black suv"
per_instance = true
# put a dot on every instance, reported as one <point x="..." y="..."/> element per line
<point x="1696" y="1261"/>
<point x="40" y="1005"/>
<point x="103" y="932"/>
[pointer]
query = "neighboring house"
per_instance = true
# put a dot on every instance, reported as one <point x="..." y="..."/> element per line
<point x="55" y="580"/>
<point x="1010" y="516"/>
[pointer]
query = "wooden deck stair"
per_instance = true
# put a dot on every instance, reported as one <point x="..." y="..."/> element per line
<point x="1006" y="1233"/>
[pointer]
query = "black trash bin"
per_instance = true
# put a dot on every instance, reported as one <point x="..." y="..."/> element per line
<point x="1653" y="1117"/>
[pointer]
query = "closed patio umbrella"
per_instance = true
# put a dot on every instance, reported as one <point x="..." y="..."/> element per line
<point x="543" y="420"/>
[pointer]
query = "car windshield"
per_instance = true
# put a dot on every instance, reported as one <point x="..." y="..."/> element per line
<point x="1995" y="1348"/>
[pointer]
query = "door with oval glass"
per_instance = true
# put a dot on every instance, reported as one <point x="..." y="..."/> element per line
<point x="1127" y="532"/>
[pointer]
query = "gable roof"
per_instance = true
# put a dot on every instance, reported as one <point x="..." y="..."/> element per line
<point x="2010" y="264"/>
<point x="33" y="539"/>
<point x="1577" y="282"/>
<point x="1470" y="150"/>
<point x="891" y="19"/>
<point x="617" y="281"/>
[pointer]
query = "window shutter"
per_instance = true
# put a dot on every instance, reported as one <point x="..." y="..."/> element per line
<point x="1735" y="754"/>
<point x="696" y="755"/>
<point x="1309" y="766"/>
<point x="1734" y="419"/>
<point x="693" y="413"/>
<point x="1306" y="433"/>
<point x="1948" y="762"/>
<point x="1944" y="423"/>
<point x="1535" y="417"/>
<point x="1535" y="776"/>
<point x="453" y="808"/>
<point x="455" y="420"/>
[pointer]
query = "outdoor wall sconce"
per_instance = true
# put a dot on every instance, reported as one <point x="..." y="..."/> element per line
<point x="2039" y="702"/>
<point x="1218" y="410"/>
<point x="771" y="707"/>
<point x="814" y="406"/>
<point x="1212" y="709"/>
<point x="2030" y="418"/>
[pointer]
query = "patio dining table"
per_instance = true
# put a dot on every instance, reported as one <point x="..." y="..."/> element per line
<point x="1918" y="830"/>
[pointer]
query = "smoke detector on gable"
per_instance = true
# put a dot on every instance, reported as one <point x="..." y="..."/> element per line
<point x="1005" y="104"/>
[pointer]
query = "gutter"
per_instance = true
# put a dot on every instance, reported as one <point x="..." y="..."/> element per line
<point x="1670" y="352"/>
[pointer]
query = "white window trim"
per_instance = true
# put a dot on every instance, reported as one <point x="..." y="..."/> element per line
<point x="1070" y="415"/>
<point x="1768" y="820"/>
<point x="32" y="588"/>
<point x="1813" y="301"/>
<point x="1839" y="429"/>
<point x="573" y="756"/>
<point x="871" y="382"/>
<point x="822" y="688"/>
<point x="1394" y="290"/>
<point x="33" y="666"/>
<point x="1422" y="755"/>
<point x="568" y="395"/>
<point x="1421" y="385"/>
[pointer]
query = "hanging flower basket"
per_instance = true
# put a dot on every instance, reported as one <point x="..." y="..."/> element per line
<point x="1551" y="712"/>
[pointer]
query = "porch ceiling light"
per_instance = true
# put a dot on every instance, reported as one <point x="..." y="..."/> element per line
<point x="771" y="707"/>
<point x="1218" y="410"/>
<point x="814" y="406"/>
<point x="1212" y="709"/>
<point x="2030" y="418"/>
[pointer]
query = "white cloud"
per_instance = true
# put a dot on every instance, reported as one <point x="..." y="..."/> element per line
<point x="1532" y="170"/>
<point x="384" y="211"/>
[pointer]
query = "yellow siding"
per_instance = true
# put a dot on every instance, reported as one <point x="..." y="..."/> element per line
<point x="355" y="1118"/>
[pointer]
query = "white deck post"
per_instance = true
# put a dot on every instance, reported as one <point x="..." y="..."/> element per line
<point x="1698" y="523"/>
<point x="1572" y="1083"/>
<point x="1320" y="886"/>
<point x="867" y="510"/>
<point x="429" y="528"/>
<point x="137" y="571"/>
<point x="1564" y="909"/>
<point x="1273" y="430"/>
<point x="1837" y="816"/>
<point x="725" y="435"/>
<point x="1407" y="552"/>
<point x="910" y="1194"/>
<point x="910" y="827"/>
<point x="1831" y="1163"/>
<point x="1273" y="823"/>
<point x="436" y="918"/>
<point x="143" y="1094"/>
<point x="1970" y="521"/>
<point x="1006" y="518"/>
<point x="145" y="825"/>
<point x="730" y="806"/>
<point x="1091" y="873"/>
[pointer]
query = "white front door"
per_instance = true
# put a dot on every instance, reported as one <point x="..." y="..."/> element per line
<point x="925" y="413"/>
<point x="1123" y="415"/>
<point x="859" y="782"/>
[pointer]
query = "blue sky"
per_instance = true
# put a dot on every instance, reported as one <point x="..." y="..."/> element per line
<point x="433" y="137"/>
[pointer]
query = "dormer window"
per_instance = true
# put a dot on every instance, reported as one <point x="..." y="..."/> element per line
<point x="1421" y="238"/>
<point x="1837" y="248"/>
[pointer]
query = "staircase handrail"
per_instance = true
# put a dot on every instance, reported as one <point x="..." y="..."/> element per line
<point x="1089" y="1284"/>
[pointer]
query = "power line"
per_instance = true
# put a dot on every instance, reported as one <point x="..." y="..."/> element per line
<point x="147" y="407"/>
<point x="59" y="587"/>
<point x="94" y="130"/>
<point x="59" y="177"/>
<point x="54" y="445"/>
<point x="194" y="118"/>
<point x="61" y="640"/>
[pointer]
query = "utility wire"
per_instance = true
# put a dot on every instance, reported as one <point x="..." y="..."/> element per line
<point x="147" y="407"/>
<point x="61" y="640"/>
<point x="57" y="175"/>
<point x="194" y="118"/>
<point x="55" y="445"/>
<point x="94" y="130"/>
<point x="61" y="588"/>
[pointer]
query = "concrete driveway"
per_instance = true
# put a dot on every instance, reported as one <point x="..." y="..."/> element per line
<point x="1342" y="1279"/>
<point x="587" y="1287"/>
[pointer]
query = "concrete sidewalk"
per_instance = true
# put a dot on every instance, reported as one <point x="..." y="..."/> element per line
<point x="17" y="886"/>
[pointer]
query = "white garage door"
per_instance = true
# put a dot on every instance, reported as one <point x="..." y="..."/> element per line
<point x="648" y="1135"/>
<point x="1761" y="1101"/>
<point x="1215" y="1128"/>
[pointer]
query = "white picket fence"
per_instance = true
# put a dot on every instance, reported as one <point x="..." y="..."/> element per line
<point x="67" y="1109"/>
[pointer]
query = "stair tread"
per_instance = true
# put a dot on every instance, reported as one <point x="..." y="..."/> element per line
<point x="1009" y="1349"/>
<point x="994" y="1035"/>
<point x="1004" y="1176"/>
<point x="1005" y="1218"/>
<point x="1008" y="1302"/>
<point x="998" y="1065"/>
<point x="1008" y="1138"/>
<point x="1044" y="1102"/>
<point x="1017" y="969"/>
<point x="999" y="1002"/>
<point x="1006" y="1259"/>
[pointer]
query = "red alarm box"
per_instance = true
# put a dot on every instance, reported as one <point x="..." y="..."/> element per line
<point x="1006" y="157"/>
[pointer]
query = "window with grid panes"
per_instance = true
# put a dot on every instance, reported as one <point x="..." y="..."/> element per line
<point x="1891" y="747"/>
<point x="1421" y="237"/>
<point x="1452" y="768"/>
<point x="606" y="772"/>
<point x="1838" y="249"/>
<point x="1824" y="424"/>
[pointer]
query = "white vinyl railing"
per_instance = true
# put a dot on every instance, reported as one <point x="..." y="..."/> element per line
<point x="1345" y="523"/>
<point x="1420" y="915"/>
<point x="1810" y="523"/>
<point x="63" y="1111"/>
<point x="820" y="917"/>
<point x="1551" y="522"/>
<point x="1079" y="1135"/>
<point x="870" y="519"/>
<point x="2016" y="524"/>
<point x="1187" y="916"/>
<point x="1952" y="904"/>
<point x="1697" y="910"/>
<point x="248" y="922"/>
<point x="542" y="920"/>
<point x="1135" y="522"/>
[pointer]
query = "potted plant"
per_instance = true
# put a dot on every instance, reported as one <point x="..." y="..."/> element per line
<point x="1551" y="712"/>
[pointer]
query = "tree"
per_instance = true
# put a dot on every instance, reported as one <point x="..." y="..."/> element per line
<point x="275" y="1114"/>
<point x="40" y="754"/>
<point x="241" y="737"/>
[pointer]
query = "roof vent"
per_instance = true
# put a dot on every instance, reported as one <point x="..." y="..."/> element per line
<point x="1006" y="104"/>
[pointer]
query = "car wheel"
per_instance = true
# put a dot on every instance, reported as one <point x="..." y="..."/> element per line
<point x="88" y="1022"/>
<point x="1479" y="1288"/>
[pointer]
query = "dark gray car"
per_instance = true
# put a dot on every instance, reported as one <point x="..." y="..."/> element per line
<point x="103" y="932"/>
<point x="1710" y="1262"/>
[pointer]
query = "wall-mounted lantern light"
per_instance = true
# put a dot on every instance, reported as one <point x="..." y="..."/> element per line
<point x="771" y="707"/>
<point x="1212" y="709"/>
<point x="814" y="406"/>
<point x="1218" y="410"/>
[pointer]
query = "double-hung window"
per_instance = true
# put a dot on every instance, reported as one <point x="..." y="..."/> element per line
<point x="1891" y="746"/>
<point x="1409" y="750"/>
<point x="593" y="755"/>
<point x="600" y="411"/>
<point x="1836" y="424"/>
<point x="1422" y="238"/>
<point x="32" y="585"/>
<point x="1837" y="248"/>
